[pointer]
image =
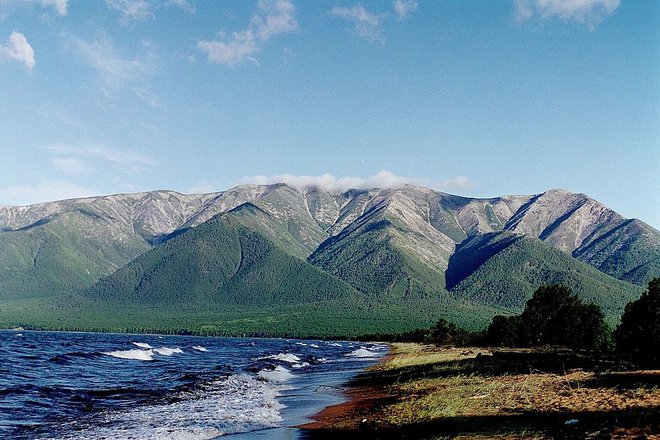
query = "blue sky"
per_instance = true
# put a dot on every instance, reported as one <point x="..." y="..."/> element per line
<point x="473" y="98"/>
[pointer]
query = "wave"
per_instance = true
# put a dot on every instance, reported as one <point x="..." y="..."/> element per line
<point x="199" y="348"/>
<point x="141" y="344"/>
<point x="363" y="352"/>
<point x="143" y="355"/>
<point x="72" y="357"/>
<point x="284" y="357"/>
<point x="210" y="411"/>
<point x="278" y="374"/>
<point x="300" y="365"/>
<point x="166" y="351"/>
<point x="139" y="355"/>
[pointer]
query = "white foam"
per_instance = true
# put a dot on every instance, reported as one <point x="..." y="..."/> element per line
<point x="279" y="374"/>
<point x="313" y="345"/>
<point x="284" y="357"/>
<point x="301" y="365"/>
<point x="199" y="348"/>
<point x="141" y="344"/>
<point x="301" y="343"/>
<point x="232" y="405"/>
<point x="335" y="344"/>
<point x="363" y="353"/>
<point x="166" y="351"/>
<point x="140" y="355"/>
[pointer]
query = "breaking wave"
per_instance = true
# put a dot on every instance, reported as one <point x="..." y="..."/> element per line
<point x="238" y="403"/>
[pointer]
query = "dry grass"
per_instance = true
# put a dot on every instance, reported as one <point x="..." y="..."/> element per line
<point x="446" y="390"/>
<point x="473" y="393"/>
<point x="411" y="354"/>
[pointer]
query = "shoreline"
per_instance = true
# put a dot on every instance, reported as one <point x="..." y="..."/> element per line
<point x="355" y="413"/>
<point x="420" y="391"/>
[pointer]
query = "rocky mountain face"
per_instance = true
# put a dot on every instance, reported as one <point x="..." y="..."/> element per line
<point x="391" y="245"/>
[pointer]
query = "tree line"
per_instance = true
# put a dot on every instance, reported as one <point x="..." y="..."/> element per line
<point x="555" y="316"/>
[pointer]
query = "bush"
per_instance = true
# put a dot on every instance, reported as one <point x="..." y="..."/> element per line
<point x="503" y="331"/>
<point x="553" y="316"/>
<point x="638" y="335"/>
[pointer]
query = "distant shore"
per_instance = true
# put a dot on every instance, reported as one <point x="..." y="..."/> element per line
<point x="421" y="391"/>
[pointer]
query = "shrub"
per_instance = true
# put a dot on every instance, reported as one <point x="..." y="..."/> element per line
<point x="553" y="316"/>
<point x="638" y="335"/>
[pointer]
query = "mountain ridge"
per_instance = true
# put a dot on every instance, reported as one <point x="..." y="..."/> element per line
<point x="396" y="247"/>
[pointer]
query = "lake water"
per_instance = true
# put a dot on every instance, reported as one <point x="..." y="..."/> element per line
<point x="120" y="386"/>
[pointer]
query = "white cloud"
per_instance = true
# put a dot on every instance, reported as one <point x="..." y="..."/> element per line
<point x="117" y="71"/>
<point x="70" y="165"/>
<point x="18" y="50"/>
<point x="59" y="5"/>
<point x="403" y="8"/>
<point x="366" y="24"/>
<point x="136" y="10"/>
<point x="588" y="12"/>
<point x="184" y="5"/>
<point x="383" y="179"/>
<point x="275" y="17"/>
<point x="45" y="190"/>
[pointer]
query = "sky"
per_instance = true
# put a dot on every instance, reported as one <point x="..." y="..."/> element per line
<point x="473" y="98"/>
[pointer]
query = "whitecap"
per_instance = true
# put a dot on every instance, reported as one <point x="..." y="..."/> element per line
<point x="231" y="405"/>
<point x="363" y="353"/>
<point x="301" y="365"/>
<point x="284" y="357"/>
<point x="313" y="345"/>
<point x="199" y="348"/>
<point x="139" y="355"/>
<point x="166" y="351"/>
<point x="279" y="374"/>
<point x="141" y="344"/>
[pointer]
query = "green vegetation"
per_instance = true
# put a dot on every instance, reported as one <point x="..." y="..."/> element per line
<point x="637" y="255"/>
<point x="638" y="336"/>
<point x="553" y="316"/>
<point x="504" y="269"/>
<point x="60" y="255"/>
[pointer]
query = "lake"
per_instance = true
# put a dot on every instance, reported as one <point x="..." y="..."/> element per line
<point x="124" y="386"/>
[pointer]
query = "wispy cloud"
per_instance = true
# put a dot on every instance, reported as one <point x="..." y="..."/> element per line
<point x="403" y="8"/>
<point x="100" y="152"/>
<point x="383" y="179"/>
<point x="71" y="165"/>
<point x="117" y="71"/>
<point x="366" y="24"/>
<point x="18" y="50"/>
<point x="457" y="183"/>
<point x="274" y="18"/>
<point x="60" y="6"/>
<point x="44" y="190"/>
<point x="184" y="5"/>
<point x="588" y="12"/>
<point x="132" y="10"/>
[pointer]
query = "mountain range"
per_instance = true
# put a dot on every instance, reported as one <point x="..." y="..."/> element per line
<point x="283" y="260"/>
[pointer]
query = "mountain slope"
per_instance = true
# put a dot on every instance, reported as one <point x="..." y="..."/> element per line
<point x="225" y="270"/>
<point x="504" y="269"/>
